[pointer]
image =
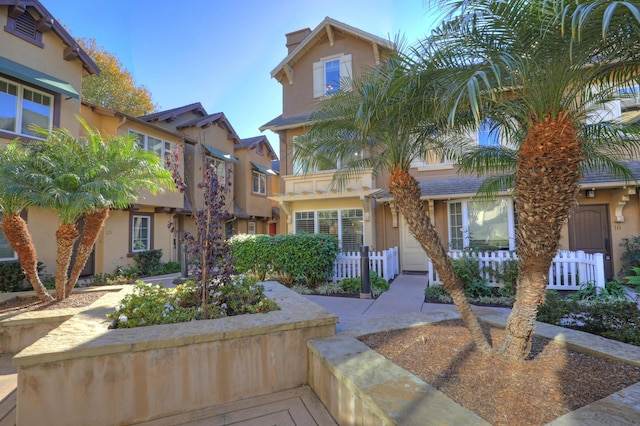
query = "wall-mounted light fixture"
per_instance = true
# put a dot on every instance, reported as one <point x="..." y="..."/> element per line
<point x="590" y="193"/>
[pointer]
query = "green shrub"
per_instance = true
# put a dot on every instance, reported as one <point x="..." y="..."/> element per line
<point x="477" y="289"/>
<point x="467" y="268"/>
<point x="11" y="276"/>
<point x="307" y="258"/>
<point x="613" y="318"/>
<point x="507" y="274"/>
<point x="353" y="285"/>
<point x="170" y="267"/>
<point x="329" y="288"/>
<point x="630" y="255"/>
<point x="149" y="262"/>
<point x="153" y="304"/>
<point x="589" y="291"/>
<point x="437" y="292"/>
<point x="634" y="280"/>
<point x="130" y="272"/>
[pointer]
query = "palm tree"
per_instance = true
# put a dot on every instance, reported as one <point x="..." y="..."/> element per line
<point x="517" y="63"/>
<point x="14" y="198"/>
<point x="120" y="171"/>
<point x="373" y="118"/>
<point x="62" y="181"/>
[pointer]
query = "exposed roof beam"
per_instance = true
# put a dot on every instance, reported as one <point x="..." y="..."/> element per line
<point x="376" y="52"/>
<point x="330" y="34"/>
<point x="288" y="72"/>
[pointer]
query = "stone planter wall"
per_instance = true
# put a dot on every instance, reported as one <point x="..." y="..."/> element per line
<point x="84" y="373"/>
<point x="360" y="387"/>
<point x="17" y="331"/>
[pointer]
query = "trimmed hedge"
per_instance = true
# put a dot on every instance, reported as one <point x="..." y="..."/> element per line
<point x="307" y="258"/>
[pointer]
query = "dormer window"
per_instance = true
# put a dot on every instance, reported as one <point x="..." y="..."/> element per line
<point x="23" y="25"/>
<point x="330" y="73"/>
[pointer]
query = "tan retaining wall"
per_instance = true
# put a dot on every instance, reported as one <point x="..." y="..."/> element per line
<point x="85" y="374"/>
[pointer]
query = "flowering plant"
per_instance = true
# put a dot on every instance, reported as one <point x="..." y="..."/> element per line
<point x="154" y="304"/>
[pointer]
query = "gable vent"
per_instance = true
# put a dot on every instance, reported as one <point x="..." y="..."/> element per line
<point x="26" y="25"/>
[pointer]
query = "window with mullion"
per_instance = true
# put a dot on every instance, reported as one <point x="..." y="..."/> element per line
<point x="140" y="233"/>
<point x="22" y="107"/>
<point x="259" y="183"/>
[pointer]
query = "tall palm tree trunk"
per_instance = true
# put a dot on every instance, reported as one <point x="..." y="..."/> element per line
<point x="406" y="193"/>
<point x="93" y="224"/>
<point x="16" y="231"/>
<point x="546" y="191"/>
<point x="66" y="236"/>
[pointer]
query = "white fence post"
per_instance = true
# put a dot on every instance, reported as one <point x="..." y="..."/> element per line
<point x="599" y="272"/>
<point x="384" y="263"/>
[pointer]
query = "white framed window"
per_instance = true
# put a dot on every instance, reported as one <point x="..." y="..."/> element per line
<point x="219" y="167"/>
<point x="140" y="233"/>
<point x="251" y="228"/>
<point x="483" y="225"/>
<point x="346" y="224"/>
<point x="259" y="183"/>
<point x="630" y="104"/>
<point x="21" y="107"/>
<point x="6" y="251"/>
<point x="151" y="143"/>
<point x="330" y="74"/>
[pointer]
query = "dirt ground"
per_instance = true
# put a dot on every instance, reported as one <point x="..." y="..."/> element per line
<point x="26" y="304"/>
<point x="551" y="382"/>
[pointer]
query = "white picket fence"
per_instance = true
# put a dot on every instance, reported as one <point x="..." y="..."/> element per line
<point x="568" y="271"/>
<point x="385" y="263"/>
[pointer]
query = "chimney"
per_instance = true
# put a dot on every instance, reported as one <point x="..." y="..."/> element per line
<point x="295" y="38"/>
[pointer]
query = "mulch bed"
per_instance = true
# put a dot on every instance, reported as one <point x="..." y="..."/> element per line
<point x="553" y="381"/>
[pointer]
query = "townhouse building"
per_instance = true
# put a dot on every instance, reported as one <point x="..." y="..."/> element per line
<point x="317" y="62"/>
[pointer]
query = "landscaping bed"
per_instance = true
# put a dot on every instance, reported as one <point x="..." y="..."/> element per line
<point x="125" y="376"/>
<point x="553" y="381"/>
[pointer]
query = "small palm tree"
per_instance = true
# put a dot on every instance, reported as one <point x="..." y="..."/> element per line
<point x="535" y="68"/>
<point x="120" y="171"/>
<point x="374" y="118"/>
<point x="15" y="198"/>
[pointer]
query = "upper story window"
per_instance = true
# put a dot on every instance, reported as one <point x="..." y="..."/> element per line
<point x="488" y="136"/>
<point x="22" y="107"/>
<point x="630" y="104"/>
<point x="150" y="143"/>
<point x="219" y="168"/>
<point x="23" y="25"/>
<point x="329" y="74"/>
<point x="259" y="183"/>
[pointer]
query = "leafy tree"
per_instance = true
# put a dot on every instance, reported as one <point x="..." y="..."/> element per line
<point x="114" y="87"/>
<point x="536" y="70"/>
<point x="208" y="245"/>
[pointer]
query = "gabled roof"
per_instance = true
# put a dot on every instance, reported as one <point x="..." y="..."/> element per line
<point x="327" y="28"/>
<point x="47" y="22"/>
<point x="255" y="141"/>
<point x="171" y="114"/>
<point x="205" y="120"/>
<point x="113" y="113"/>
<point x="281" y="123"/>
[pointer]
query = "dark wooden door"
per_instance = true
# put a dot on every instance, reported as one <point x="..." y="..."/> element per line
<point x="589" y="231"/>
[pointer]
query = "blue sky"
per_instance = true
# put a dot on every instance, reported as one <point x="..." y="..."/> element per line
<point x="221" y="53"/>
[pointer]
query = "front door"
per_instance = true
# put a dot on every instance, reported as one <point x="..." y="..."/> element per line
<point x="413" y="256"/>
<point x="589" y="232"/>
